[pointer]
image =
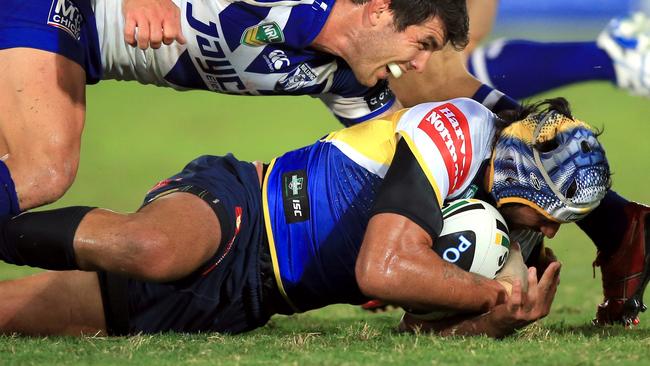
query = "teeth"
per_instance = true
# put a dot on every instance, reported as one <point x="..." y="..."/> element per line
<point x="395" y="70"/>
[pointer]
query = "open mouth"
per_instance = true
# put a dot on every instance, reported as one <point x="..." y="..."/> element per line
<point x="394" y="70"/>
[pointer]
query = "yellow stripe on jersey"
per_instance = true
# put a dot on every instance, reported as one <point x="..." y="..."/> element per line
<point x="269" y="232"/>
<point x="424" y="166"/>
<point x="374" y="139"/>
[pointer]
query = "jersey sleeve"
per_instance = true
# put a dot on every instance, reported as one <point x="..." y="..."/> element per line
<point x="449" y="141"/>
<point x="406" y="191"/>
<point x="353" y="103"/>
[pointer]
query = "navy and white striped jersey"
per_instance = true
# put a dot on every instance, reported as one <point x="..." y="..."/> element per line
<point x="248" y="47"/>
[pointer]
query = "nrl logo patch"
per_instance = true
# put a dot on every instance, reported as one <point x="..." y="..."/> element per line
<point x="262" y="34"/>
<point x="65" y="15"/>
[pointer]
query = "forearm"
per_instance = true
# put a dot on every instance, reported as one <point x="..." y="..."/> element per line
<point x="396" y="264"/>
<point x="425" y="281"/>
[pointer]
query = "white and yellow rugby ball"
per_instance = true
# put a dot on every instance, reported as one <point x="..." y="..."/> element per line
<point x="474" y="237"/>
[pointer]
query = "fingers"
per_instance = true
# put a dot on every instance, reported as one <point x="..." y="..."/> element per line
<point x="548" y="287"/>
<point x="155" y="36"/>
<point x="516" y="298"/>
<point x="143" y="34"/>
<point x="171" y="29"/>
<point x="532" y="277"/>
<point x="551" y="276"/>
<point x="150" y="23"/>
<point x="550" y="256"/>
<point x="129" y="30"/>
<point x="531" y="296"/>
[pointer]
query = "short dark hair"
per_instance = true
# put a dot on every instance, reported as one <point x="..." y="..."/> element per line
<point x="453" y="14"/>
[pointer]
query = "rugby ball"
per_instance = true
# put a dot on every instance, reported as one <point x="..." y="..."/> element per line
<point x="474" y="237"/>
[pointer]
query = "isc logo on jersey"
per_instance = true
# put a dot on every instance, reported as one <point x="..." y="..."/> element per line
<point x="65" y="15"/>
<point x="447" y="127"/>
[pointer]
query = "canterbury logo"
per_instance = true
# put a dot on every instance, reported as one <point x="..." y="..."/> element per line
<point x="279" y="59"/>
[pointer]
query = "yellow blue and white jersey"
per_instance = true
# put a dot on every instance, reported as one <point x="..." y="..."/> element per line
<point x="317" y="200"/>
<point x="248" y="47"/>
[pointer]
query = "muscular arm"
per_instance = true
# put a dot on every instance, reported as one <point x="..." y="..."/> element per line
<point x="396" y="264"/>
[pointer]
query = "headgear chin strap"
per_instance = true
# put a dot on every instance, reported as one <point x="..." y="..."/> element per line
<point x="562" y="151"/>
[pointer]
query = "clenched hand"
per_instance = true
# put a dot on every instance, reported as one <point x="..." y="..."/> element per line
<point x="157" y="22"/>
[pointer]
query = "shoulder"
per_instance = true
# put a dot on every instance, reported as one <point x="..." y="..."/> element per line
<point x="465" y="110"/>
<point x="449" y="139"/>
<point x="455" y="119"/>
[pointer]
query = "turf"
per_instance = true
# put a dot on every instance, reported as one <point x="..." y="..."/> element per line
<point x="136" y="135"/>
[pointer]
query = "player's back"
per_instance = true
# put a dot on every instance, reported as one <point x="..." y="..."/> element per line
<point x="318" y="199"/>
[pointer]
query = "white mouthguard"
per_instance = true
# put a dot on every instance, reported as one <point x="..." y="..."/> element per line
<point x="395" y="70"/>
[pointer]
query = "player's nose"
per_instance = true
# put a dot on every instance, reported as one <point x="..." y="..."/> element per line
<point x="420" y="60"/>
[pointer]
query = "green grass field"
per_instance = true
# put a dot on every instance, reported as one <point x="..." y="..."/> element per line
<point x="137" y="135"/>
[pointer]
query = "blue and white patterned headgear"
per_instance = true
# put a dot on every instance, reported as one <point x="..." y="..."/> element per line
<point x="551" y="163"/>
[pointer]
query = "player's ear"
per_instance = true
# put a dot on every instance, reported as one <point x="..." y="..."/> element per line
<point x="375" y="9"/>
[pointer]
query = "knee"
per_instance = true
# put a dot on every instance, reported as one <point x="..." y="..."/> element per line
<point x="151" y="256"/>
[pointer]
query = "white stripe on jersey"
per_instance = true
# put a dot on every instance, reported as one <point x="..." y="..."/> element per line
<point x="492" y="99"/>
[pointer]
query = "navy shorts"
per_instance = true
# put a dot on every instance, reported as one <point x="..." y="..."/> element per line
<point x="223" y="295"/>
<point x="65" y="27"/>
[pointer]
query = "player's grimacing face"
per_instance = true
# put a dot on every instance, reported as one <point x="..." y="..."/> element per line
<point x="522" y="217"/>
<point x="409" y="49"/>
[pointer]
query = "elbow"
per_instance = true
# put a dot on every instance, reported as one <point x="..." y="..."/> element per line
<point x="44" y="176"/>
<point x="374" y="279"/>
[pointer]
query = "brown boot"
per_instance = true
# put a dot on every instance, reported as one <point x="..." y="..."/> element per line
<point x="626" y="271"/>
